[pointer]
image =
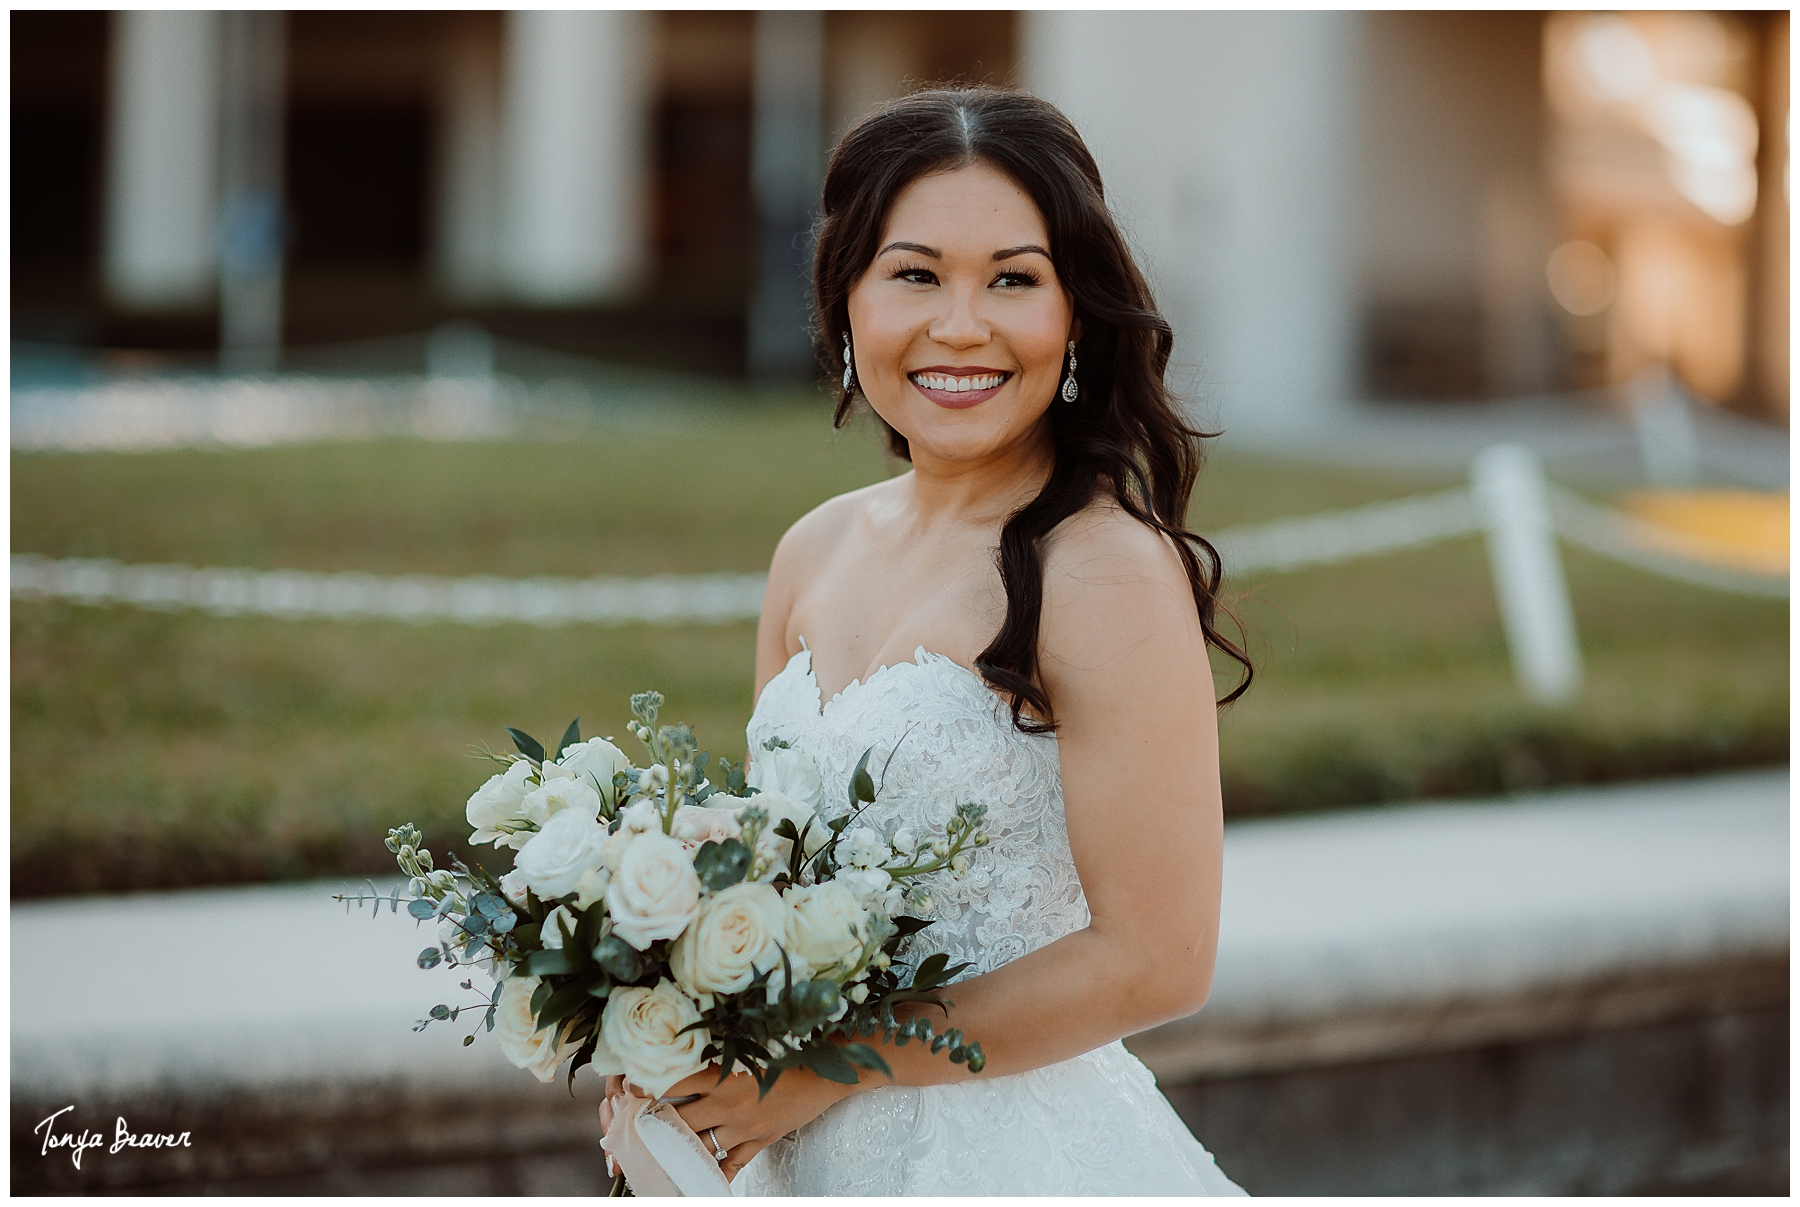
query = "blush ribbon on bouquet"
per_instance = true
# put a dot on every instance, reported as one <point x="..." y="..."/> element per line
<point x="659" y="1152"/>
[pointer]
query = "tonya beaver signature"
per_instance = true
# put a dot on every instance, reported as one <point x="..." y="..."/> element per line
<point x="79" y="1142"/>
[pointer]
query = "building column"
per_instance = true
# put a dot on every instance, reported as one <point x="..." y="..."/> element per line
<point x="467" y="230"/>
<point x="1225" y="142"/>
<point x="253" y="224"/>
<point x="787" y="171"/>
<point x="162" y="179"/>
<point x="574" y="130"/>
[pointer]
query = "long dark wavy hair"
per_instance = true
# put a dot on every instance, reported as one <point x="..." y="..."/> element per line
<point x="1125" y="432"/>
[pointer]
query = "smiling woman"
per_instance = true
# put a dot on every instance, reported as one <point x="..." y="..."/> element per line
<point x="1020" y="624"/>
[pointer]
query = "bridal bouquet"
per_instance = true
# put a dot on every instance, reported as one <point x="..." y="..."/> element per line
<point x="654" y="923"/>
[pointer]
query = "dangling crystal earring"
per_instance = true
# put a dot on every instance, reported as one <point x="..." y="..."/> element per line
<point x="849" y="368"/>
<point x="1069" y="389"/>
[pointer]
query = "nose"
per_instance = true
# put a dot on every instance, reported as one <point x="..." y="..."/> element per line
<point x="960" y="323"/>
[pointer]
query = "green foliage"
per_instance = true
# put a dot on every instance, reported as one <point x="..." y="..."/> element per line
<point x="722" y="864"/>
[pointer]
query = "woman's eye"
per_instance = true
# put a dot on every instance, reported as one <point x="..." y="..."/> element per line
<point x="916" y="276"/>
<point x="1016" y="280"/>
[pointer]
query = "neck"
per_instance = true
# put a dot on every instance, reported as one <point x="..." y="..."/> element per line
<point x="982" y="491"/>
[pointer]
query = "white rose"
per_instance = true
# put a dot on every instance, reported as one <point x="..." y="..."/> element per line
<point x="825" y="925"/>
<point x="594" y="762"/>
<point x="654" y="892"/>
<point x="703" y="823"/>
<point x="499" y="800"/>
<point x="538" y="1052"/>
<point x="513" y="886"/>
<point x="642" y="1028"/>
<point x="559" y="855"/>
<point x="561" y="918"/>
<point x="789" y="773"/>
<point x="735" y="935"/>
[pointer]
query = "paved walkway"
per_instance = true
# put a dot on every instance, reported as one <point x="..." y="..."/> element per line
<point x="1346" y="912"/>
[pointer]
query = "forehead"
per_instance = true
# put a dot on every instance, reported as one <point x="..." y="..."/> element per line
<point x="972" y="205"/>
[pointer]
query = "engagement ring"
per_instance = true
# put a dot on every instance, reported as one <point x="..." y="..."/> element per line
<point x="719" y="1154"/>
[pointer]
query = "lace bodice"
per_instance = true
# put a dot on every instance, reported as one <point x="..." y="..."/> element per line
<point x="1091" y="1125"/>
<point x="950" y="740"/>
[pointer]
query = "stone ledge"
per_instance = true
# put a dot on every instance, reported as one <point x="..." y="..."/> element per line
<point x="1204" y="1048"/>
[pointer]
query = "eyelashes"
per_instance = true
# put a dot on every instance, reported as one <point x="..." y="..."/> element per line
<point x="1015" y="276"/>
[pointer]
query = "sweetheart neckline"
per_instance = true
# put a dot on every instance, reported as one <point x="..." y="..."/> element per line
<point x="920" y="654"/>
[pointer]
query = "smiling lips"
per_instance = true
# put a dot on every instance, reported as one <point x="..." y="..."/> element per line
<point x="958" y="387"/>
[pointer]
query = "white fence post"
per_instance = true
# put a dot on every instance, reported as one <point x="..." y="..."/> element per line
<point x="1508" y="485"/>
<point x="1660" y="420"/>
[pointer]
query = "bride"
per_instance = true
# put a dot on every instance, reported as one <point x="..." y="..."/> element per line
<point x="1021" y="620"/>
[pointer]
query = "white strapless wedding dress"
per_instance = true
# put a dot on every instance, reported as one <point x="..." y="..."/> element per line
<point x="1092" y="1125"/>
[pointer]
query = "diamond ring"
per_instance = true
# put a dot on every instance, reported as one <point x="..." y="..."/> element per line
<point x="719" y="1154"/>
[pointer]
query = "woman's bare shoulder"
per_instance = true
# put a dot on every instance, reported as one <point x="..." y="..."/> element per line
<point x="1113" y="584"/>
<point x="1103" y="542"/>
<point x="811" y="539"/>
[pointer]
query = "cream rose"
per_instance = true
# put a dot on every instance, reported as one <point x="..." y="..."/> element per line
<point x="734" y="936"/>
<point x="654" y="892"/>
<point x="537" y="1052"/>
<point x="499" y="800"/>
<point x="825" y="925"/>
<point x="642" y="1029"/>
<point x="558" y="856"/>
<point x="594" y="762"/>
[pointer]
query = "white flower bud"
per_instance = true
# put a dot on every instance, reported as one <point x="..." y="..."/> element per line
<point x="905" y="842"/>
<point x="959" y="863"/>
<point x="940" y="847"/>
<point x="859" y="994"/>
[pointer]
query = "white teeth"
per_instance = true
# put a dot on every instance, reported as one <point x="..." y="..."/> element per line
<point x="957" y="385"/>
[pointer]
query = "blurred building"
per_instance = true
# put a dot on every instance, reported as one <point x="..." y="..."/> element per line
<point x="1333" y="205"/>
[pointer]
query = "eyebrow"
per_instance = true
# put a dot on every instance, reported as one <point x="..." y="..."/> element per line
<point x="1005" y="253"/>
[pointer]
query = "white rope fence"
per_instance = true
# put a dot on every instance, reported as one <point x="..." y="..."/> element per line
<point x="1508" y="499"/>
<point x="300" y="595"/>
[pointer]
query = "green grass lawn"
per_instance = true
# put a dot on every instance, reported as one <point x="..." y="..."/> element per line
<point x="155" y="749"/>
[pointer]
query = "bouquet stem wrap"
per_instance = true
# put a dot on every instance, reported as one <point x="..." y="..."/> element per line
<point x="659" y="1152"/>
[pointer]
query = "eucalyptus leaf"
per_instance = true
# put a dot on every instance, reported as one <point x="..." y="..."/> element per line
<point x="431" y="957"/>
<point x="421" y="909"/>
<point x="722" y="864"/>
<point x="488" y="905"/>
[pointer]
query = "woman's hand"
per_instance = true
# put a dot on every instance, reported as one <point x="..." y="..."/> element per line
<point x="741" y="1124"/>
